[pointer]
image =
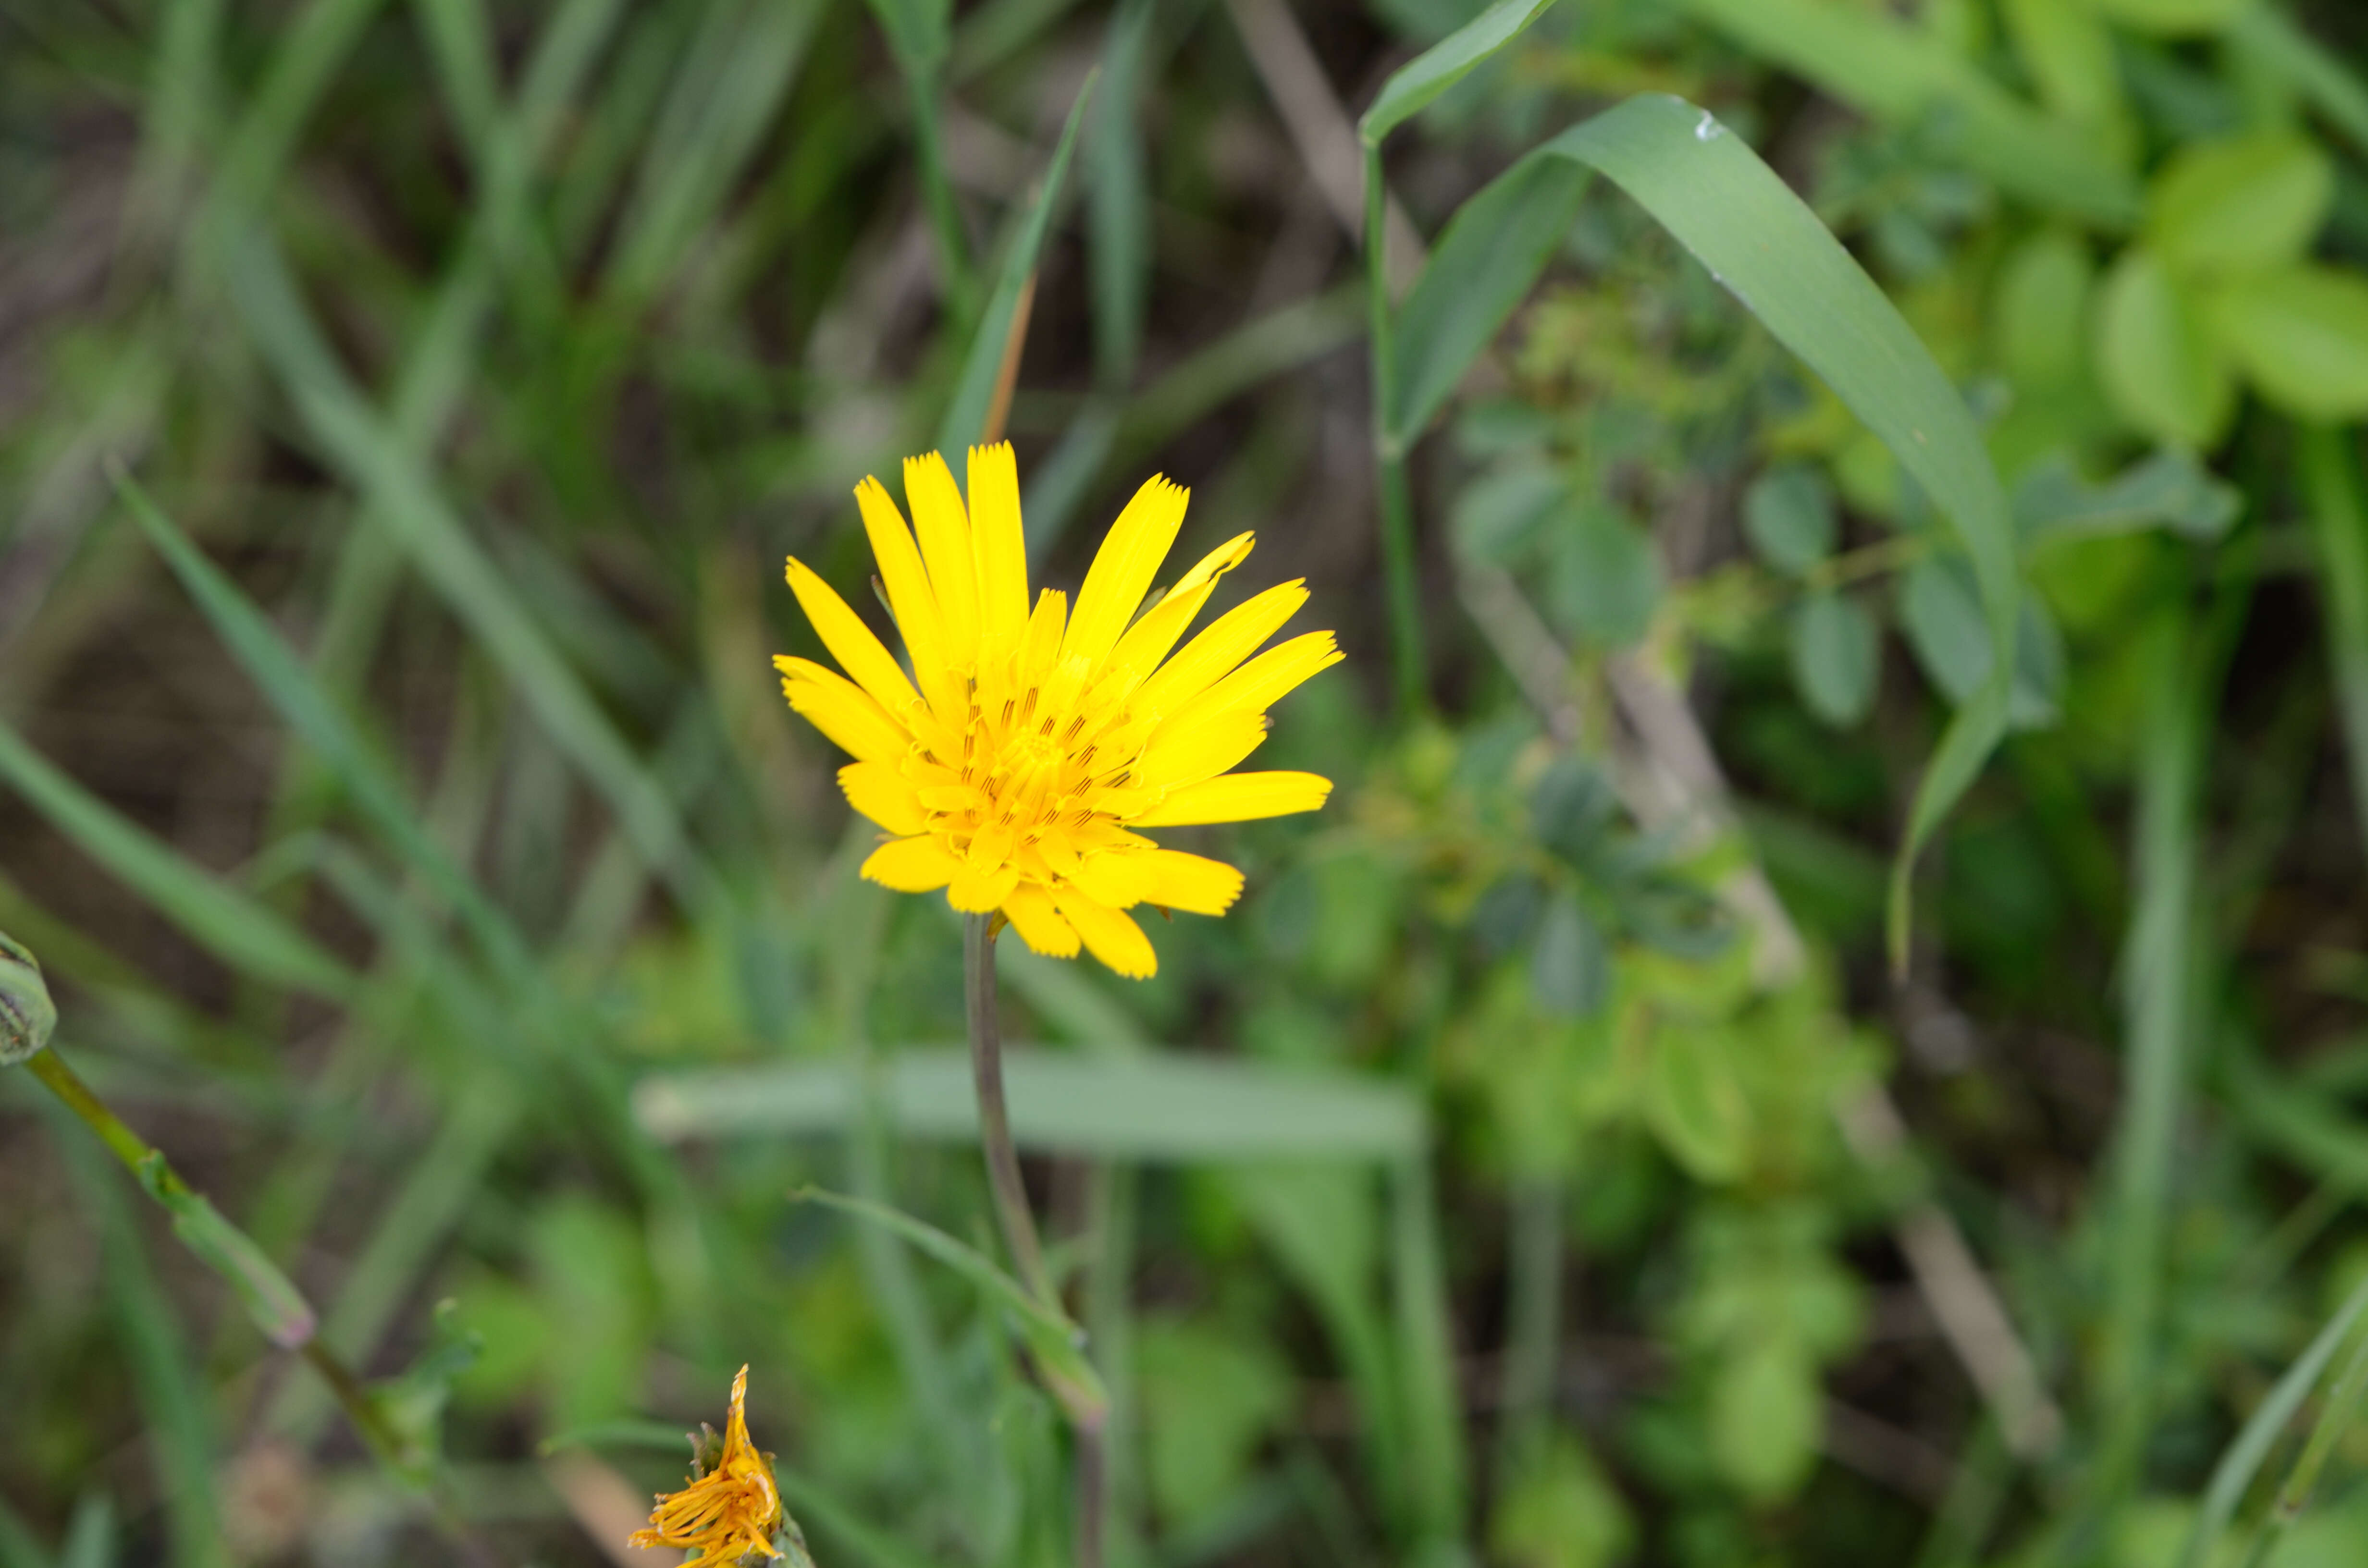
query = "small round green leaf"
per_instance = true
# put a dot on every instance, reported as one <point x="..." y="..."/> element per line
<point x="1570" y="965"/>
<point x="2243" y="205"/>
<point x="1788" y="516"/>
<point x="1837" y="656"/>
<point x="2042" y="308"/>
<point x="2162" y="370"/>
<point x="1606" y="578"/>
<point x="1767" y="1413"/>
<point x="2300" y="335"/>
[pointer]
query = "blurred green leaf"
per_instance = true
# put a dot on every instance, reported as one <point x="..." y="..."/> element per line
<point x="1570" y="963"/>
<point x="1788" y="516"/>
<point x="1767" y="1416"/>
<point x="1695" y="1103"/>
<point x="1606" y="576"/>
<point x="1909" y="76"/>
<point x="1496" y="513"/>
<point x="1415" y="84"/>
<point x="2301" y="336"/>
<point x="2068" y="52"/>
<point x="1211" y="1395"/>
<point x="1558" y="1510"/>
<point x="2170" y="490"/>
<point x="1837" y="657"/>
<point x="2163" y="371"/>
<point x="2042" y="305"/>
<point x="2171" y="17"/>
<point x="2240" y="206"/>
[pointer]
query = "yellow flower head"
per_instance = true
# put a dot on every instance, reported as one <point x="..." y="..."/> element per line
<point x="730" y="1512"/>
<point x="1037" y="738"/>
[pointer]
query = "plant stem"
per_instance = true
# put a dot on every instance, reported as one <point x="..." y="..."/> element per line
<point x="1389" y="454"/>
<point x="283" y="1314"/>
<point x="1532" y="1316"/>
<point x="1011" y="1211"/>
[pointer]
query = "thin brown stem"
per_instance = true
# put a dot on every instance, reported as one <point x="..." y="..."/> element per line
<point x="1093" y="1494"/>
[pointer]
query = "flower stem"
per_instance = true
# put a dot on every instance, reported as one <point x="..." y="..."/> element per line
<point x="1011" y="1211"/>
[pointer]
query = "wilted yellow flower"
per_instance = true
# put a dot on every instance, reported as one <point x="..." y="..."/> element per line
<point x="1036" y="740"/>
<point x="728" y="1513"/>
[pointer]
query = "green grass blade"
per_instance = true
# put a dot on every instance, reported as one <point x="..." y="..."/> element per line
<point x="724" y="98"/>
<point x="1487" y="260"/>
<point x="243" y="933"/>
<point x="2158" y="992"/>
<point x="1146" y="1108"/>
<point x="460" y="40"/>
<point x="290" y="687"/>
<point x="2243" y="1458"/>
<point x="1118" y="210"/>
<point x="1412" y="87"/>
<point x="965" y="416"/>
<point x="2338" y="522"/>
<point x="371" y="456"/>
<point x="1056" y="1343"/>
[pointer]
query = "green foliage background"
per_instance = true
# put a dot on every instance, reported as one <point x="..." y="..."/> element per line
<point x="404" y="410"/>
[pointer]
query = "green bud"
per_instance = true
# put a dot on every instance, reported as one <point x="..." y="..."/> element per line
<point x="27" y="1014"/>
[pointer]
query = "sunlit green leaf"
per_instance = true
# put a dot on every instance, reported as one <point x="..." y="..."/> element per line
<point x="2300" y="335"/>
<point x="2239" y="206"/>
<point x="2159" y="364"/>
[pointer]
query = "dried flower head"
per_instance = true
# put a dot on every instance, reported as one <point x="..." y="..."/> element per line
<point x="730" y="1511"/>
<point x="1015" y="763"/>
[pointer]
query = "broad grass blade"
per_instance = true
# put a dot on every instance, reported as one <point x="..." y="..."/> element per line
<point x="1169" y="1108"/>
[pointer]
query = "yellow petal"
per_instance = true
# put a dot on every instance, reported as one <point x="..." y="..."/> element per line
<point x="1000" y="547"/>
<point x="1151" y="639"/>
<point x="842" y="712"/>
<point x="1231" y="638"/>
<point x="944" y="528"/>
<point x="850" y="642"/>
<point x="1109" y="935"/>
<point x="978" y="890"/>
<point x="1029" y="909"/>
<point x="1112" y="878"/>
<point x="1123" y="568"/>
<point x="910" y="599"/>
<point x="1040" y="646"/>
<point x="1173" y="880"/>
<point x="1258" y="685"/>
<point x="1186" y="753"/>
<point x="1238" y="797"/>
<point x="884" y="795"/>
<point x="911" y="865"/>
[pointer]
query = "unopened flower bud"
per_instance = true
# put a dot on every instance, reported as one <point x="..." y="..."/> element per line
<point x="27" y="1014"/>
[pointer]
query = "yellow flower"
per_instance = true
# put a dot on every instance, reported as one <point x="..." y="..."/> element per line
<point x="1034" y="741"/>
<point x="730" y="1512"/>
